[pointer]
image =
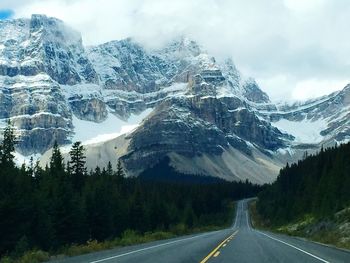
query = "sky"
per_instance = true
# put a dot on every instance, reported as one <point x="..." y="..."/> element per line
<point x="295" y="49"/>
<point x="6" y="14"/>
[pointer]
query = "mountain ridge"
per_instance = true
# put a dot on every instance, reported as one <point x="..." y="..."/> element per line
<point x="202" y="110"/>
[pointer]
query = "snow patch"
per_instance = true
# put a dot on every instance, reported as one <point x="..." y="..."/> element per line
<point x="305" y="131"/>
<point x="285" y="151"/>
<point x="21" y="159"/>
<point x="91" y="132"/>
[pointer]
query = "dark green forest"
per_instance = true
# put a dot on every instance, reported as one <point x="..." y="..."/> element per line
<point x="63" y="204"/>
<point x="318" y="185"/>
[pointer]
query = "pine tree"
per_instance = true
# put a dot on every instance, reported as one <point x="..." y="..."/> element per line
<point x="77" y="165"/>
<point x="120" y="171"/>
<point x="68" y="170"/>
<point x="0" y="154"/>
<point x="56" y="161"/>
<point x="31" y="166"/>
<point x="8" y="146"/>
<point x="97" y="171"/>
<point x="77" y="159"/>
<point x="109" y="169"/>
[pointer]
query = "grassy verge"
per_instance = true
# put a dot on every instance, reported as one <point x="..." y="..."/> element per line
<point x="128" y="238"/>
<point x="333" y="231"/>
<point x="256" y="220"/>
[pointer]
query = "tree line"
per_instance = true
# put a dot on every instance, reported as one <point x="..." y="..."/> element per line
<point x="63" y="204"/>
<point x="318" y="185"/>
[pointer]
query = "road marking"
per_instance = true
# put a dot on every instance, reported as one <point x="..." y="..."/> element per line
<point x="216" y="254"/>
<point x="248" y="225"/>
<point x="299" y="249"/>
<point x="236" y="218"/>
<point x="238" y="212"/>
<point x="148" y="248"/>
<point x="217" y="248"/>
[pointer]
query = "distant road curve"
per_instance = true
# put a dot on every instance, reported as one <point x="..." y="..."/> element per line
<point x="240" y="243"/>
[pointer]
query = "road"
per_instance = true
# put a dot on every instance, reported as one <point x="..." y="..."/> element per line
<point x="240" y="243"/>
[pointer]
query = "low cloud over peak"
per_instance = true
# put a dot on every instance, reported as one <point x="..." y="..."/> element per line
<point x="284" y="44"/>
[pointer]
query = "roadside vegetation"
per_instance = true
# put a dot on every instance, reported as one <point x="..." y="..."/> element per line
<point x="64" y="210"/>
<point x="310" y="199"/>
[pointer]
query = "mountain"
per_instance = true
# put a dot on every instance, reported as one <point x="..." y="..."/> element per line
<point x="39" y="56"/>
<point x="141" y="105"/>
<point x="320" y="121"/>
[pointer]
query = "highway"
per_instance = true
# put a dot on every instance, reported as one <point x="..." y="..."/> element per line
<point x="240" y="243"/>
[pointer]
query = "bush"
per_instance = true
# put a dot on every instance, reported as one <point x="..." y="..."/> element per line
<point x="179" y="229"/>
<point x="6" y="260"/>
<point x="35" y="256"/>
<point x="130" y="237"/>
<point x="90" y="246"/>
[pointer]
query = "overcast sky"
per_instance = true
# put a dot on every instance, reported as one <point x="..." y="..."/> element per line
<point x="295" y="49"/>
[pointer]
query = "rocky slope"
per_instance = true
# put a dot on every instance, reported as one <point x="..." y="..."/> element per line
<point x="315" y="123"/>
<point x="205" y="116"/>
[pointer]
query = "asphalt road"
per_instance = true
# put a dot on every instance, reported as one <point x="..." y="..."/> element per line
<point x="240" y="243"/>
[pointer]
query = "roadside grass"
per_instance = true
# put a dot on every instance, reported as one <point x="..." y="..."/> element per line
<point x="129" y="237"/>
<point x="34" y="256"/>
<point x="333" y="231"/>
<point x="256" y="220"/>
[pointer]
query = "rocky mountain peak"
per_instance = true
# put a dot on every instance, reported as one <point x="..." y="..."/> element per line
<point x="253" y="93"/>
<point x="54" y="30"/>
<point x="204" y="113"/>
<point x="43" y="44"/>
<point x="183" y="46"/>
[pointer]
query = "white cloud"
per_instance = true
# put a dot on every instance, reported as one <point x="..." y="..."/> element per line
<point x="283" y="43"/>
<point x="303" y="6"/>
<point x="308" y="88"/>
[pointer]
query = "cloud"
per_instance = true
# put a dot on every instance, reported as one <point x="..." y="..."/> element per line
<point x="283" y="43"/>
<point x="306" y="89"/>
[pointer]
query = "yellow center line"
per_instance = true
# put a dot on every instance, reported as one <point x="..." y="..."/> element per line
<point x="217" y="248"/>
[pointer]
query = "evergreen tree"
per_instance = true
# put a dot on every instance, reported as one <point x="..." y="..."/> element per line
<point x="97" y="171"/>
<point x="109" y="169"/>
<point x="56" y="161"/>
<point x="31" y="166"/>
<point x="8" y="146"/>
<point x="316" y="186"/>
<point x="120" y="171"/>
<point x="0" y="155"/>
<point x="68" y="170"/>
<point x="77" y="159"/>
<point x="51" y="212"/>
<point x="77" y="165"/>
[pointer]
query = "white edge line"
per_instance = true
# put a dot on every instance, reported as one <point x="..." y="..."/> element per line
<point x="247" y="216"/>
<point x="148" y="248"/>
<point x="236" y="217"/>
<point x="238" y="212"/>
<point x="307" y="253"/>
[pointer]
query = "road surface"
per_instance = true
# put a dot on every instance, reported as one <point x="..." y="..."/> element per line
<point x="240" y="243"/>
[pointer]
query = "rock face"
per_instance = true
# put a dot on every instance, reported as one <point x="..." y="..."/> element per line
<point x="196" y="125"/>
<point x="36" y="56"/>
<point x="206" y="117"/>
<point x="329" y="116"/>
<point x="253" y="93"/>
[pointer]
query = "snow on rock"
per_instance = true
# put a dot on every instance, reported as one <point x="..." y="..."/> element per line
<point x="26" y="160"/>
<point x="305" y="131"/>
<point x="91" y="132"/>
<point x="55" y="89"/>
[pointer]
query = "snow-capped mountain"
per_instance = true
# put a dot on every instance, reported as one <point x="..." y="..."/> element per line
<point x="320" y="121"/>
<point x="141" y="105"/>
